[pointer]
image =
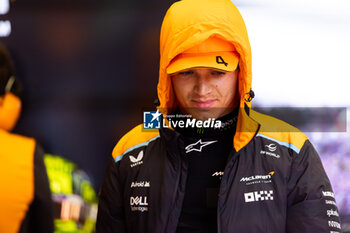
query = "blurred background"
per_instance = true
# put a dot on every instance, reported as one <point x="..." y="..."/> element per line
<point x="89" y="68"/>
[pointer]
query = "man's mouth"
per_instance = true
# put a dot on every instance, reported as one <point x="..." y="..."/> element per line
<point x="204" y="104"/>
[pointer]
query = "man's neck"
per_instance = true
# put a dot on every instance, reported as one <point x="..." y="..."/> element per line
<point x="227" y="126"/>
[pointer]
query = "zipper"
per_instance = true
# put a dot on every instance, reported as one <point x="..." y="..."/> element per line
<point x="181" y="175"/>
<point x="232" y="159"/>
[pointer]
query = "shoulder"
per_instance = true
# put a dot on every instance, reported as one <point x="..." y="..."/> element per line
<point x="279" y="131"/>
<point x="16" y="142"/>
<point x="135" y="138"/>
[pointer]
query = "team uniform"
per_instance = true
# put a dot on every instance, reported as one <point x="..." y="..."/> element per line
<point x="255" y="174"/>
<point x="269" y="185"/>
<point x="25" y="197"/>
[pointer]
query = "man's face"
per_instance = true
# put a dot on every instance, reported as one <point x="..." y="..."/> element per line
<point x="206" y="93"/>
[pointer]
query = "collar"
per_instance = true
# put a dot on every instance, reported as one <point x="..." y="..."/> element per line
<point x="228" y="125"/>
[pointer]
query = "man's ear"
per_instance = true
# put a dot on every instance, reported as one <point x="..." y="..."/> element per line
<point x="10" y="109"/>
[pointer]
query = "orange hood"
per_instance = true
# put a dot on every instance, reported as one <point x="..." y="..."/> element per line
<point x="188" y="23"/>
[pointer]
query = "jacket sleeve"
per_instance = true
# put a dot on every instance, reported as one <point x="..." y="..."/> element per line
<point x="110" y="216"/>
<point x="311" y="203"/>
<point x="39" y="217"/>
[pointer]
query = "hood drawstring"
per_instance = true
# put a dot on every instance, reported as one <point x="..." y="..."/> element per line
<point x="156" y="102"/>
<point x="251" y="95"/>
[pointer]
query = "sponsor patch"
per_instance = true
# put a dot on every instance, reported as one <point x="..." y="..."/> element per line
<point x="329" y="202"/>
<point x="140" y="184"/>
<point x="262" y="152"/>
<point x="332" y="212"/>
<point x="258" y="179"/>
<point x="197" y="146"/>
<point x="139" y="203"/>
<point x="136" y="161"/>
<point x="334" y="224"/>
<point x="263" y="195"/>
<point x="218" y="174"/>
<point x="328" y="194"/>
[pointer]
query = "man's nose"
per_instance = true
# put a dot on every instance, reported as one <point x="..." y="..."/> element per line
<point x="202" y="85"/>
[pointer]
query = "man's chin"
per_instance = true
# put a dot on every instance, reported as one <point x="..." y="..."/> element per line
<point x="204" y="114"/>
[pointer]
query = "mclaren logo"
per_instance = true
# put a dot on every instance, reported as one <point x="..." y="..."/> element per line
<point x="256" y="179"/>
<point x="218" y="174"/>
<point x="136" y="161"/>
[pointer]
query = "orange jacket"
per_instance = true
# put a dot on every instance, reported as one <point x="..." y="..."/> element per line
<point x="16" y="179"/>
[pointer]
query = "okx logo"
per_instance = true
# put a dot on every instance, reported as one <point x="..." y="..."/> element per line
<point x="151" y="120"/>
<point x="263" y="195"/>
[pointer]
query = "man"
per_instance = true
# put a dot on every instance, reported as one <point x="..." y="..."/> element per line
<point x="248" y="173"/>
<point x="25" y="198"/>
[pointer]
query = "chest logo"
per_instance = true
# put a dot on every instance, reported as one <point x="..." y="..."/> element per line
<point x="220" y="173"/>
<point x="136" y="184"/>
<point x="271" y="147"/>
<point x="139" y="203"/>
<point x="258" y="179"/>
<point x="197" y="146"/>
<point x="136" y="161"/>
<point x="263" y="195"/>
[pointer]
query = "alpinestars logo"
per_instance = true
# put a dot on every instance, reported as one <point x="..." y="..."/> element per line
<point x="264" y="195"/>
<point x="139" y="203"/>
<point x="136" y="161"/>
<point x="197" y="146"/>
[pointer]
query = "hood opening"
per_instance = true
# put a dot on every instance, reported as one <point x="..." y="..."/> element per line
<point x="188" y="23"/>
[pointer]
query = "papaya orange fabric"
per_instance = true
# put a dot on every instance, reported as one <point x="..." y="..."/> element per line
<point x="134" y="137"/>
<point x="10" y="108"/>
<point x="184" y="28"/>
<point x="16" y="179"/>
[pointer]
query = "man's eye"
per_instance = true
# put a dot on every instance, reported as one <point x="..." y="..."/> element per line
<point x="217" y="73"/>
<point x="185" y="73"/>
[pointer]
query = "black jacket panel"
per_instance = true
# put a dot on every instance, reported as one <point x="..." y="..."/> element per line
<point x="267" y="186"/>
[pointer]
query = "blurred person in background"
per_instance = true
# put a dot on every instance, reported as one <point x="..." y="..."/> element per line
<point x="25" y="198"/>
<point x="249" y="173"/>
<point x="74" y="198"/>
